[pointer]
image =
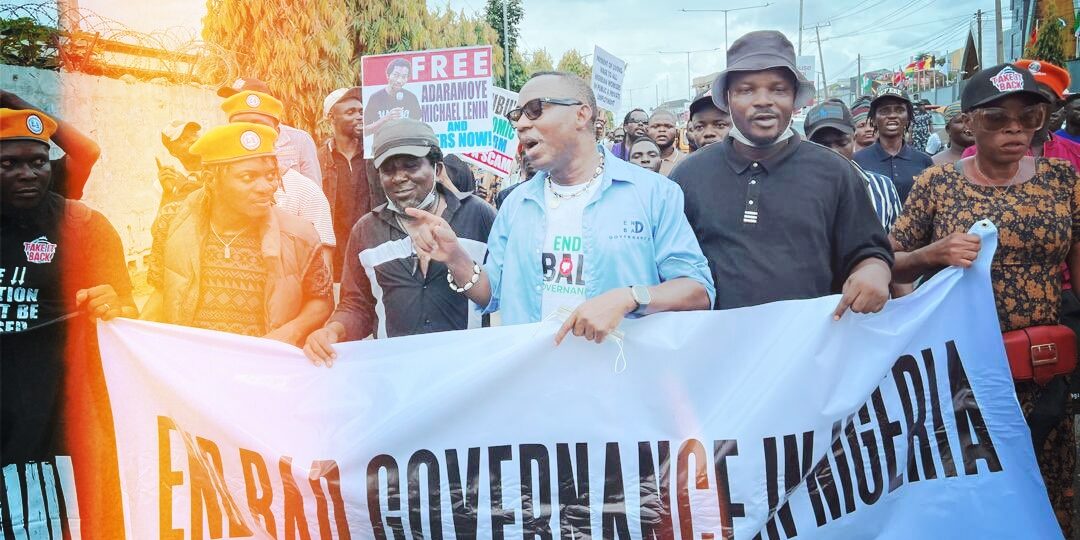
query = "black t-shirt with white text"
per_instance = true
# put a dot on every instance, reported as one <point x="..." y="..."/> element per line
<point x="381" y="103"/>
<point x="44" y="261"/>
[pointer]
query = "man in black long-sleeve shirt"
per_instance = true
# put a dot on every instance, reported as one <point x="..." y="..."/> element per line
<point x="386" y="288"/>
<point x="779" y="218"/>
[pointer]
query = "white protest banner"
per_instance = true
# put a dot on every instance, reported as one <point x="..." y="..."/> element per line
<point x="774" y="421"/>
<point x="607" y="79"/>
<point x="504" y="142"/>
<point x="449" y="89"/>
<point x="807" y="65"/>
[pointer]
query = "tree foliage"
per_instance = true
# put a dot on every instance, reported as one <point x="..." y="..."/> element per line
<point x="302" y="54"/>
<point x="493" y="15"/>
<point x="1049" y="44"/>
<point x="572" y="61"/>
<point x="539" y="60"/>
<point x="26" y="42"/>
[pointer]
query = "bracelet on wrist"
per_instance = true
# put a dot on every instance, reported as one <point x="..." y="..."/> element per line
<point x="468" y="285"/>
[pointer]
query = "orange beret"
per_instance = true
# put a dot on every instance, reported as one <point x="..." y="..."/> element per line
<point x="234" y="142"/>
<point x="26" y="125"/>
<point x="1057" y="78"/>
<point x="250" y="101"/>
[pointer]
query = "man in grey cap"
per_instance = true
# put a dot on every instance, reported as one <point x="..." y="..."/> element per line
<point x="780" y="218"/>
<point x="830" y="124"/>
<point x="387" y="288"/>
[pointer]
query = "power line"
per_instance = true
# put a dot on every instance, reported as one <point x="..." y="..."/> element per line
<point x="866" y="32"/>
<point x="949" y="30"/>
<point x="856" y="12"/>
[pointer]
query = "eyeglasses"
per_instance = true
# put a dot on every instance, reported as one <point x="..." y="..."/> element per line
<point x="533" y="108"/>
<point x="637" y="121"/>
<point x="997" y="118"/>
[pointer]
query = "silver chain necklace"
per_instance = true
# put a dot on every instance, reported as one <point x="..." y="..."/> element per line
<point x="559" y="197"/>
<point x="227" y="252"/>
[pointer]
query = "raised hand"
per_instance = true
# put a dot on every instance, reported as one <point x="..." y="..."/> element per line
<point x="433" y="237"/>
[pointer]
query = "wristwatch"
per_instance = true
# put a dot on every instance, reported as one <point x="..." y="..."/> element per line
<point x="642" y="297"/>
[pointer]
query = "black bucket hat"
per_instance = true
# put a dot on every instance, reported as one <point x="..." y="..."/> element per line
<point x="759" y="51"/>
<point x="992" y="84"/>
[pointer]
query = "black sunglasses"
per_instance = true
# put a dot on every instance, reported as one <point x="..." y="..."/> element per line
<point x="533" y="108"/>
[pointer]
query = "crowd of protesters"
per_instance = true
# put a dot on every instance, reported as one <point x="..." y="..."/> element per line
<point x="265" y="233"/>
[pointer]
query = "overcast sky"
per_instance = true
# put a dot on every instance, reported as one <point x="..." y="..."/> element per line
<point x="885" y="32"/>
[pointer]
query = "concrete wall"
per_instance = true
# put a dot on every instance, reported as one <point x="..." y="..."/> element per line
<point x="125" y="117"/>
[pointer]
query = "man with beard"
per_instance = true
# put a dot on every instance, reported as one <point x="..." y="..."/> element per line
<point x="891" y="113"/>
<point x="589" y="233"/>
<point x="663" y="131"/>
<point x="393" y="101"/>
<point x="388" y="288"/>
<point x="349" y="181"/>
<point x="634" y="125"/>
<point x="864" y="130"/>
<point x="708" y="124"/>
<point x="960" y="137"/>
<point x="780" y="218"/>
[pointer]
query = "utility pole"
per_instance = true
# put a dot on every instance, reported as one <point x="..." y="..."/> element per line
<point x="725" y="12"/>
<point x="800" y="27"/>
<point x="821" y="60"/>
<point x="858" y="78"/>
<point x="689" y="83"/>
<point x="999" y="33"/>
<point x="506" y="45"/>
<point x="978" y="24"/>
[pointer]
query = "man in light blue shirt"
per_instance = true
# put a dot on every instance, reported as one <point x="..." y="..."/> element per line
<point x="590" y="232"/>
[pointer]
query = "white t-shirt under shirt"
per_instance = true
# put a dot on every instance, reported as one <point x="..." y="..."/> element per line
<point x="563" y="257"/>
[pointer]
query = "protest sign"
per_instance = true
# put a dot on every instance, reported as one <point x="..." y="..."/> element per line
<point x="449" y="89"/>
<point x="607" y="79"/>
<point x="771" y="421"/>
<point x="807" y="65"/>
<point x="500" y="158"/>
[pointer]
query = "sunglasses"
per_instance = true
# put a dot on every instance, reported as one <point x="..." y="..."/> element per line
<point x="533" y="108"/>
<point x="997" y="118"/>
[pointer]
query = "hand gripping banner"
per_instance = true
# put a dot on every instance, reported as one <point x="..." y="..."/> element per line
<point x="766" y="422"/>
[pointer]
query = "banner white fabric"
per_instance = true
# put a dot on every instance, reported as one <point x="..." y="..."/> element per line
<point x="766" y="422"/>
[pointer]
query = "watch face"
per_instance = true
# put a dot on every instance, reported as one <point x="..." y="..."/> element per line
<point x="641" y="294"/>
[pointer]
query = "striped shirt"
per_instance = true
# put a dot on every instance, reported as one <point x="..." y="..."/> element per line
<point x="296" y="150"/>
<point x="883" y="194"/>
<point x="301" y="196"/>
